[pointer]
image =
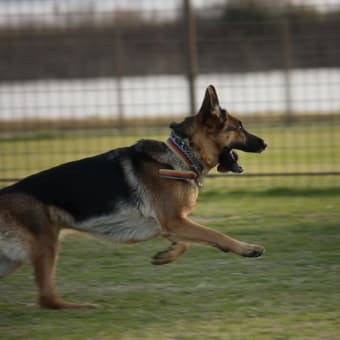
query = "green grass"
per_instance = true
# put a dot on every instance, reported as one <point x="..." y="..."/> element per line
<point x="291" y="292"/>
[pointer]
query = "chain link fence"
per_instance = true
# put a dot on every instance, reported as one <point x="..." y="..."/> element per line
<point x="80" y="77"/>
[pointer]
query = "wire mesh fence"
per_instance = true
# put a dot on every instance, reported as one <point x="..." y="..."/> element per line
<point x="81" y="77"/>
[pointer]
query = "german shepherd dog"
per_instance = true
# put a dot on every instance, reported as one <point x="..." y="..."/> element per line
<point x="125" y="195"/>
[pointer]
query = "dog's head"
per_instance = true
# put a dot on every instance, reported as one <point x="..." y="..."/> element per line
<point x="213" y="133"/>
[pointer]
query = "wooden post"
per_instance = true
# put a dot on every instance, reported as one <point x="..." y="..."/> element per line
<point x="191" y="52"/>
<point x="287" y="59"/>
<point x="119" y="73"/>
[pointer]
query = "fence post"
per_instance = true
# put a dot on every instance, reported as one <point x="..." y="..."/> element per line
<point x="287" y="59"/>
<point x="119" y="72"/>
<point x="191" y="52"/>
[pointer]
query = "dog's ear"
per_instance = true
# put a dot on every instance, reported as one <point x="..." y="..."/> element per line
<point x="210" y="105"/>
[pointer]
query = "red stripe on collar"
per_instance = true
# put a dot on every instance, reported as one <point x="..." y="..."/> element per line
<point x="176" y="174"/>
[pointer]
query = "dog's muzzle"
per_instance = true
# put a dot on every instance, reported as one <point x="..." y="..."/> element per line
<point x="254" y="144"/>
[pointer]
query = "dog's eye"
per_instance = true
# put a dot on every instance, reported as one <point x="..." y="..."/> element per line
<point x="237" y="127"/>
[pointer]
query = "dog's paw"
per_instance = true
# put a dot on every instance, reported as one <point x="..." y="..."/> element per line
<point x="252" y="250"/>
<point x="162" y="257"/>
<point x="170" y="254"/>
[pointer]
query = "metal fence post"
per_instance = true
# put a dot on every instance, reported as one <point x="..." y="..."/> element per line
<point x="119" y="73"/>
<point x="287" y="60"/>
<point x="191" y="52"/>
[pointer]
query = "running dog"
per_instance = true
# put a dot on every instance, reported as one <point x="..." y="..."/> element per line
<point x="125" y="195"/>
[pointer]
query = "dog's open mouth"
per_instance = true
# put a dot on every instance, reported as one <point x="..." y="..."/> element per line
<point x="228" y="162"/>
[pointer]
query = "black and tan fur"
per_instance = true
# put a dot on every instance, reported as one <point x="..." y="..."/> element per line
<point x="120" y="196"/>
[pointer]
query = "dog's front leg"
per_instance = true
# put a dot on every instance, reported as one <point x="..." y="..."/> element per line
<point x="183" y="229"/>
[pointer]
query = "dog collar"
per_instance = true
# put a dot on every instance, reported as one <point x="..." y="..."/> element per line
<point x="185" y="154"/>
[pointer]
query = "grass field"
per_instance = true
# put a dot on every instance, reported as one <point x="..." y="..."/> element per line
<point x="291" y="292"/>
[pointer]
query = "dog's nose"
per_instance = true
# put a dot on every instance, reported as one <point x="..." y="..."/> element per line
<point x="263" y="146"/>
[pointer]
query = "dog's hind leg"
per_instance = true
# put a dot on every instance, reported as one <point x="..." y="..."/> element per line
<point x="170" y="254"/>
<point x="44" y="264"/>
